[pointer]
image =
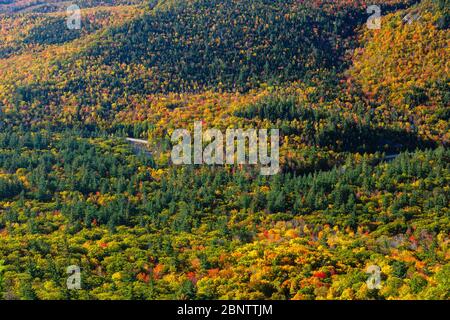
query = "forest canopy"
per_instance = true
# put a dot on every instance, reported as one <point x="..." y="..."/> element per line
<point x="363" y="117"/>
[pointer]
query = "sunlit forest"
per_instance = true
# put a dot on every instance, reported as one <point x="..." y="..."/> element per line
<point x="364" y="177"/>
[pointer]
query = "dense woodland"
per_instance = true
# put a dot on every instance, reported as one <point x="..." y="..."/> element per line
<point x="365" y="165"/>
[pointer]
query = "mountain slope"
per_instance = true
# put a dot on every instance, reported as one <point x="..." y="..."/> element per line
<point x="364" y="158"/>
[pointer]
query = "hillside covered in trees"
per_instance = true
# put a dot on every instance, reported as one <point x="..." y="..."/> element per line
<point x="363" y="116"/>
